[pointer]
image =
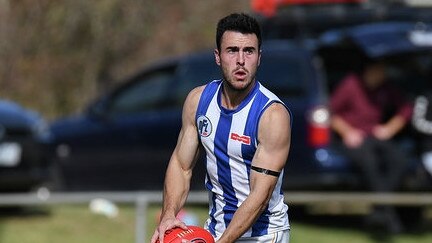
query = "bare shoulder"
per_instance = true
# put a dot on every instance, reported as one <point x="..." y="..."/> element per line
<point x="276" y="114"/>
<point x="195" y="94"/>
<point x="191" y="103"/>
<point x="275" y="125"/>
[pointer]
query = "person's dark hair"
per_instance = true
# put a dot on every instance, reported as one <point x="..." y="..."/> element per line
<point x="238" y="22"/>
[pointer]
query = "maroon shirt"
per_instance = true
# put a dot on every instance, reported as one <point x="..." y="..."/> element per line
<point x="363" y="108"/>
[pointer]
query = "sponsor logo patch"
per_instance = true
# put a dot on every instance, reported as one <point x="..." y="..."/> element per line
<point x="241" y="138"/>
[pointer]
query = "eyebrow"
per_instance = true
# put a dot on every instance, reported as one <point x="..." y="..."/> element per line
<point x="250" y="48"/>
<point x="236" y="48"/>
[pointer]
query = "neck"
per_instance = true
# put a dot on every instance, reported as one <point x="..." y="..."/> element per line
<point x="232" y="98"/>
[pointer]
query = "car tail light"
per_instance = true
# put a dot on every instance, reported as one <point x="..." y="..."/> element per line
<point x="319" y="126"/>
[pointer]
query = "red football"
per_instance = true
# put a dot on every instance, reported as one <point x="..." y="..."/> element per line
<point x="193" y="234"/>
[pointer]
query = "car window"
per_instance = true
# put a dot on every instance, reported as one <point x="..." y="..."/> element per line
<point x="194" y="73"/>
<point x="283" y="74"/>
<point x="149" y="92"/>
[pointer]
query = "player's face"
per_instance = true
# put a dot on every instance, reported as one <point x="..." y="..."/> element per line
<point x="239" y="58"/>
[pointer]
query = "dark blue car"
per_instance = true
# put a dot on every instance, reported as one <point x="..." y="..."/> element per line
<point x="123" y="141"/>
<point x="125" y="138"/>
<point x="24" y="161"/>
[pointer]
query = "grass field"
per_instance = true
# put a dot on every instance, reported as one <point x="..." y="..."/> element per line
<point x="75" y="223"/>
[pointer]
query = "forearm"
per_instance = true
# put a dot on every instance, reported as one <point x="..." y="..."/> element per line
<point x="396" y="124"/>
<point x="340" y="126"/>
<point x="173" y="201"/>
<point x="176" y="189"/>
<point x="244" y="218"/>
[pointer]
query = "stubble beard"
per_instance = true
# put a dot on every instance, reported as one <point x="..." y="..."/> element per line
<point x="229" y="83"/>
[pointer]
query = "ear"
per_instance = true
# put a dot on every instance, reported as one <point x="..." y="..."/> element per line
<point x="259" y="57"/>
<point x="217" y="57"/>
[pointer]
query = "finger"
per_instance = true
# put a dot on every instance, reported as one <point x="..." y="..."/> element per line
<point x="155" y="236"/>
<point x="162" y="229"/>
<point x="162" y="234"/>
<point x="182" y="225"/>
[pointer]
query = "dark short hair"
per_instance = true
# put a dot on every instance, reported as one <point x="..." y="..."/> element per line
<point x="238" y="22"/>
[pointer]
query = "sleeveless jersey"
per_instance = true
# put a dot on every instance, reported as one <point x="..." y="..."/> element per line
<point x="229" y="138"/>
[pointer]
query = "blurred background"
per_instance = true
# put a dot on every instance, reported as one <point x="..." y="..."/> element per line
<point x="63" y="53"/>
<point x="92" y="91"/>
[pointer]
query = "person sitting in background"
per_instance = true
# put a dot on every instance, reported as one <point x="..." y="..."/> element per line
<point x="367" y="113"/>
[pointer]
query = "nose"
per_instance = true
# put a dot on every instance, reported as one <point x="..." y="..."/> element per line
<point x="241" y="58"/>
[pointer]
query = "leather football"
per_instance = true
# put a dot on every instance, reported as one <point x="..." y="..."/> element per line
<point x="193" y="234"/>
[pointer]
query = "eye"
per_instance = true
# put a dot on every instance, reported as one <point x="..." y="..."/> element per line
<point x="232" y="50"/>
<point x="249" y="51"/>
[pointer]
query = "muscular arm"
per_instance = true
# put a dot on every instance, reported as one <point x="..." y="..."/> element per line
<point x="179" y="171"/>
<point x="274" y="135"/>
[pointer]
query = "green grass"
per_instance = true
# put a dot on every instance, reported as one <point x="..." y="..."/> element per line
<point x="67" y="224"/>
<point x="310" y="233"/>
<point x="75" y="223"/>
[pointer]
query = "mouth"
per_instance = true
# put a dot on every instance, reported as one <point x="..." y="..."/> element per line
<point x="240" y="74"/>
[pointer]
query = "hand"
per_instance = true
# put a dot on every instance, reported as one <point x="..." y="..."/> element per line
<point x="382" y="132"/>
<point x="165" y="225"/>
<point x="353" y="138"/>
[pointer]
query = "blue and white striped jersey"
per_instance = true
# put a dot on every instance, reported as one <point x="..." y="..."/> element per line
<point x="229" y="138"/>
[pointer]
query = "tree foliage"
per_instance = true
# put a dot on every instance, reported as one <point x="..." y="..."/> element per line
<point x="57" y="55"/>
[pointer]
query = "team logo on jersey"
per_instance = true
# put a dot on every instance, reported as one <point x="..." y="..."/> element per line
<point x="241" y="138"/>
<point x="204" y="126"/>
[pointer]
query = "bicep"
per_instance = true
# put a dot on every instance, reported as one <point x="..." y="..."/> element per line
<point x="186" y="149"/>
<point x="274" y="139"/>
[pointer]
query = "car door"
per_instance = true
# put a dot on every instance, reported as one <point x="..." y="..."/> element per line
<point x="127" y="138"/>
<point x="147" y="116"/>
